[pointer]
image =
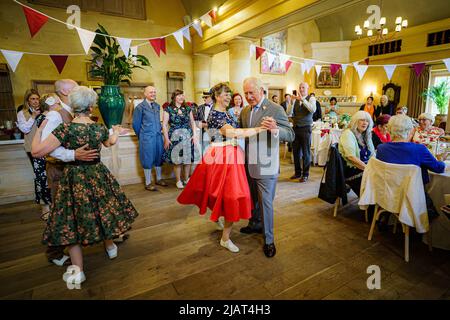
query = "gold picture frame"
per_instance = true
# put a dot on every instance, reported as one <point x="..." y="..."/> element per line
<point x="275" y="43"/>
<point x="325" y="80"/>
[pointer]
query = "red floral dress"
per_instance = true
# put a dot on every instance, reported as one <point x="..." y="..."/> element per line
<point x="429" y="138"/>
<point x="89" y="205"/>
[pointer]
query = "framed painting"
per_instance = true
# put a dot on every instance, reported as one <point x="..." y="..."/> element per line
<point x="90" y="77"/>
<point x="275" y="42"/>
<point x="325" y="80"/>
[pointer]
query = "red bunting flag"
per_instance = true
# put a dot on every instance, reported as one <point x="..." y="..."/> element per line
<point x="159" y="45"/>
<point x="334" y="68"/>
<point x="35" y="20"/>
<point x="287" y="65"/>
<point x="418" y="68"/>
<point x="59" y="61"/>
<point x="213" y="15"/>
<point x="259" y="52"/>
<point x="366" y="61"/>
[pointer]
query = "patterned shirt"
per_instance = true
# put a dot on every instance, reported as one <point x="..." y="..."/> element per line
<point x="217" y="120"/>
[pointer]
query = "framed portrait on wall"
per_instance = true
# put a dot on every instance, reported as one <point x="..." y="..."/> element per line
<point x="325" y="80"/>
<point x="275" y="42"/>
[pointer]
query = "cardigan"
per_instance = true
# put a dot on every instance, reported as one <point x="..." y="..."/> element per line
<point x="348" y="146"/>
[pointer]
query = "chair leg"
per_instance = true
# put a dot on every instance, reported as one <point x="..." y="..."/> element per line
<point x="336" y="205"/>
<point x="374" y="220"/>
<point x="366" y="215"/>
<point x="406" y="230"/>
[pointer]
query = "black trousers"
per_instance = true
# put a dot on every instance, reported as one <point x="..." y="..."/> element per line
<point x="301" y="147"/>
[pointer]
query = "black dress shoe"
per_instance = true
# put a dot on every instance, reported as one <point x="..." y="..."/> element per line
<point x="303" y="179"/>
<point x="295" y="176"/>
<point x="269" y="250"/>
<point x="250" y="230"/>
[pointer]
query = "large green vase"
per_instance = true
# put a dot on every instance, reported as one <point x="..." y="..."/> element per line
<point x="112" y="105"/>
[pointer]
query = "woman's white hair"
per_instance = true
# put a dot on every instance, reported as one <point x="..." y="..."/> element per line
<point x="428" y="116"/>
<point x="82" y="98"/>
<point x="365" y="137"/>
<point x="400" y="126"/>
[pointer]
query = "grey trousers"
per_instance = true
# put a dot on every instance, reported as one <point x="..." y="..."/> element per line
<point x="263" y="193"/>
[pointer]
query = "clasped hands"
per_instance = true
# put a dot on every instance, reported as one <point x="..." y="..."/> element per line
<point x="270" y="124"/>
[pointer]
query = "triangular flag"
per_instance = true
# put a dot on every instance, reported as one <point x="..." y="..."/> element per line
<point x="35" y="20"/>
<point x="302" y="67"/>
<point x="207" y="19"/>
<point x="270" y="58"/>
<point x="59" y="61"/>
<point x="259" y="52"/>
<point x="178" y="35"/>
<point x="418" y="68"/>
<point x="318" y="69"/>
<point x="134" y="52"/>
<point x="187" y="34"/>
<point x="86" y="38"/>
<point x="198" y="28"/>
<point x="163" y="45"/>
<point x="252" y="49"/>
<point x="125" y="45"/>
<point x="334" y="68"/>
<point x="447" y="63"/>
<point x="12" y="57"/>
<point x="366" y="61"/>
<point x="361" y="69"/>
<point x="213" y="15"/>
<point x="156" y="44"/>
<point x="344" y="67"/>
<point x="389" y="68"/>
<point x="309" y="64"/>
<point x="284" y="58"/>
<point x="287" y="65"/>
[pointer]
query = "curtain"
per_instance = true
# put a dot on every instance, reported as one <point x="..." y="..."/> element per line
<point x="417" y="85"/>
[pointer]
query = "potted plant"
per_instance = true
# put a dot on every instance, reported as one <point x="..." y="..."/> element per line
<point x="440" y="95"/>
<point x="113" y="67"/>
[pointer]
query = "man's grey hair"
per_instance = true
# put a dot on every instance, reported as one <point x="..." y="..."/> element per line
<point x="64" y="86"/>
<point x="82" y="98"/>
<point x="365" y="137"/>
<point x="305" y="83"/>
<point x="255" y="81"/>
<point x="400" y="126"/>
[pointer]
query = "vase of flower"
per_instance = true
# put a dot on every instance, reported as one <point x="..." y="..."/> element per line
<point x="111" y="104"/>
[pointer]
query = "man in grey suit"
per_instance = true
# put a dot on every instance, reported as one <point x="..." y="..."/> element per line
<point x="262" y="157"/>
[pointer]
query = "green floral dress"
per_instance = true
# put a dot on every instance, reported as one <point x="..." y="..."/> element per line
<point x="89" y="205"/>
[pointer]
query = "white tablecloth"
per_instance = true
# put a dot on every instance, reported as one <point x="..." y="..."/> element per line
<point x="440" y="227"/>
<point x="320" y="144"/>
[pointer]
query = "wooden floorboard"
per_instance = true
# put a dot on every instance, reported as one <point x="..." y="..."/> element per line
<point x="173" y="253"/>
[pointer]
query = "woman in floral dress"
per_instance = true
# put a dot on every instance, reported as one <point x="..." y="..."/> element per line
<point x="427" y="134"/>
<point x="180" y="139"/>
<point x="90" y="206"/>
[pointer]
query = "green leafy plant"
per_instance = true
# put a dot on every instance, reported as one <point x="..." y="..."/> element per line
<point x="440" y="95"/>
<point x="110" y="64"/>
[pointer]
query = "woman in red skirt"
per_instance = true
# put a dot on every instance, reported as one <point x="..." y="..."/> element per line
<point x="219" y="181"/>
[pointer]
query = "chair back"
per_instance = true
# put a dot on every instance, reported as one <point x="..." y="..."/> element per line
<point x="396" y="188"/>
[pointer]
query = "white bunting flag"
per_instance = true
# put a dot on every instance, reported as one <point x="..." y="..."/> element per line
<point x="125" y="45"/>
<point x="12" y="57"/>
<point x="309" y="64"/>
<point x="179" y="37"/>
<point x="447" y="63"/>
<point x="318" y="69"/>
<point x="134" y="52"/>
<point x="389" y="68"/>
<point x="187" y="34"/>
<point x="344" y="67"/>
<point x="361" y="69"/>
<point x="270" y="58"/>
<point x="284" y="58"/>
<point x="302" y="68"/>
<point x="207" y="19"/>
<point x="86" y="38"/>
<point x="198" y="28"/>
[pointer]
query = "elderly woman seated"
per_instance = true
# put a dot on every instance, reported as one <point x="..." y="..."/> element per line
<point x="380" y="134"/>
<point x="401" y="151"/>
<point x="425" y="133"/>
<point x="356" y="147"/>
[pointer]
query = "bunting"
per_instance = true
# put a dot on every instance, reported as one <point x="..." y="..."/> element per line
<point x="389" y="69"/>
<point x="12" y="57"/>
<point x="125" y="45"/>
<point x="366" y="61"/>
<point x="318" y="68"/>
<point x="35" y="20"/>
<point x="287" y="65"/>
<point x="134" y="52"/>
<point x="198" y="28"/>
<point x="418" y="68"/>
<point x="309" y="64"/>
<point x="334" y="68"/>
<point x="179" y="37"/>
<point x="86" y="38"/>
<point x="206" y="18"/>
<point x="213" y="15"/>
<point x="447" y="63"/>
<point x="259" y="52"/>
<point x="270" y="58"/>
<point x="361" y="69"/>
<point x="344" y="67"/>
<point x="159" y="45"/>
<point x="302" y="68"/>
<point x="187" y="34"/>
<point x="59" y="61"/>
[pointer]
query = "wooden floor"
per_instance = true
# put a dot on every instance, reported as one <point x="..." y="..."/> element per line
<point x="173" y="253"/>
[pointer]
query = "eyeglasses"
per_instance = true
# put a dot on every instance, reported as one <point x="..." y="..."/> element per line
<point x="423" y="119"/>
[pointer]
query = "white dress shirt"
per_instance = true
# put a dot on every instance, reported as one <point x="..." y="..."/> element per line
<point x="23" y="124"/>
<point x="54" y="120"/>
